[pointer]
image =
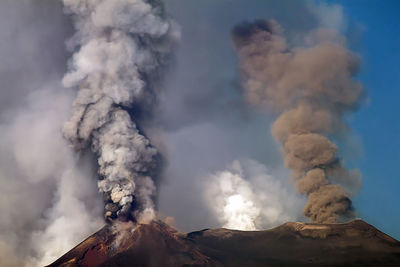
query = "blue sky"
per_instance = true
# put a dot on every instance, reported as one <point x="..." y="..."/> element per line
<point x="377" y="123"/>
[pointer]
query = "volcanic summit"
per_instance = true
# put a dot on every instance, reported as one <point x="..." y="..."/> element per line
<point x="355" y="243"/>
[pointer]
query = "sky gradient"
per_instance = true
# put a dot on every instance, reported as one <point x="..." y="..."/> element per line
<point x="377" y="123"/>
<point x="201" y="124"/>
<point x="372" y="30"/>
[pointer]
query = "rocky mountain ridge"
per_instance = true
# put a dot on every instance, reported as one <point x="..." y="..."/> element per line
<point x="355" y="243"/>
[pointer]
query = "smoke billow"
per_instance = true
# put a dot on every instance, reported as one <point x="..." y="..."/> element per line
<point x="48" y="197"/>
<point x="310" y="88"/>
<point x="121" y="45"/>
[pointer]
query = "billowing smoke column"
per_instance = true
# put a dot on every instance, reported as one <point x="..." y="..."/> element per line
<point x="309" y="88"/>
<point x="120" y="45"/>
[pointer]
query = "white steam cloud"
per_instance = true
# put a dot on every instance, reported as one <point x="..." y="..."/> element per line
<point x="247" y="197"/>
<point x="48" y="201"/>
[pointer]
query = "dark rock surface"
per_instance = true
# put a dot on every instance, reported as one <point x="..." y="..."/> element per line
<point x="355" y="243"/>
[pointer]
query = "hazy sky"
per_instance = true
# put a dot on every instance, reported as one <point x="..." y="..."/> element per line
<point x="201" y="124"/>
<point x="373" y="31"/>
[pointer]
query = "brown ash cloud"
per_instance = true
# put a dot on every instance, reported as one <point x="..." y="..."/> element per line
<point x="309" y="88"/>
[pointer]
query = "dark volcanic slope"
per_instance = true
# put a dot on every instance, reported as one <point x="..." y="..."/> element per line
<point x="155" y="244"/>
<point x="293" y="244"/>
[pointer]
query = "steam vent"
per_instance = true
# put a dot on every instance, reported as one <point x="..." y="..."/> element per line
<point x="355" y="243"/>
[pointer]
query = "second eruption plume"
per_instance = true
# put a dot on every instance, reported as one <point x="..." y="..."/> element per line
<point x="309" y="88"/>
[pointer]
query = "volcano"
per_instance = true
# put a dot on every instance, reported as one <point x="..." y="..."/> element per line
<point x="355" y="243"/>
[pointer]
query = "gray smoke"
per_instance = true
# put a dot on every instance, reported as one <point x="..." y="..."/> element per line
<point x="310" y="87"/>
<point x="48" y="197"/>
<point x="120" y="46"/>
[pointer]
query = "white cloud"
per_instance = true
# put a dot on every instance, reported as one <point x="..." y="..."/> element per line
<point x="328" y="15"/>
<point x="247" y="197"/>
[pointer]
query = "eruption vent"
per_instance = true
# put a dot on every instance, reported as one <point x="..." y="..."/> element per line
<point x="309" y="88"/>
<point x="120" y="45"/>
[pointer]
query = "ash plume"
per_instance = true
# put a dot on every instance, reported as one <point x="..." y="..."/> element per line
<point x="309" y="88"/>
<point x="120" y="46"/>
